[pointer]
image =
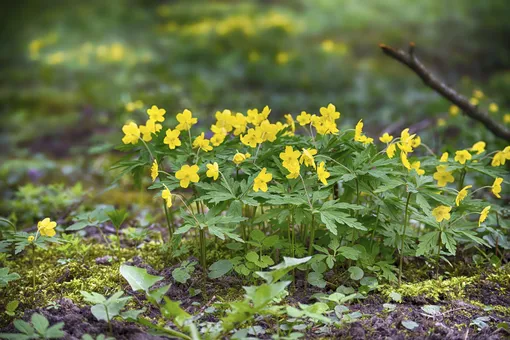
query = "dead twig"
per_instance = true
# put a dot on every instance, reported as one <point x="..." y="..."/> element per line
<point x="409" y="59"/>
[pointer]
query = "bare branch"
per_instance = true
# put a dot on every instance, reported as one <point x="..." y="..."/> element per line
<point x="409" y="59"/>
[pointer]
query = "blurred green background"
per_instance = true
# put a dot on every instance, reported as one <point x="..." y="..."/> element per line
<point x="73" y="72"/>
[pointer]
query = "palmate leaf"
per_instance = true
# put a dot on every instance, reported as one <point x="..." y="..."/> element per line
<point x="428" y="242"/>
<point x="448" y="240"/>
<point x="332" y="219"/>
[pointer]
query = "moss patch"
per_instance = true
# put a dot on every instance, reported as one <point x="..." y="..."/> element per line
<point x="65" y="270"/>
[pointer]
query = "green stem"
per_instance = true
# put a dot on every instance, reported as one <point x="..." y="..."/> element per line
<point x="33" y="268"/>
<point x="310" y="248"/>
<point x="439" y="246"/>
<point x="169" y="225"/>
<point x="462" y="176"/>
<point x="376" y="226"/>
<point x="108" y="320"/>
<point x="402" y="241"/>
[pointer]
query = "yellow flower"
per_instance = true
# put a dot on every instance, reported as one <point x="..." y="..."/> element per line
<point x="304" y="118"/>
<point x="405" y="161"/>
<point x="478" y="94"/>
<point x="172" y="138"/>
<point x="454" y="110"/>
<point x="213" y="171"/>
<point x="474" y="101"/>
<point x="444" y="157"/>
<point x="390" y="150"/>
<point x="328" y="45"/>
<point x="282" y="58"/>
<point x="358" y="137"/>
<point x="148" y="129"/>
<point x="289" y="156"/>
<point x="294" y="174"/>
<point x="462" y="194"/>
<point x="330" y="112"/>
<point x="187" y="174"/>
<point x="484" y="214"/>
<point x="255" y="118"/>
<point x="496" y="187"/>
<point x="406" y="141"/>
<point x="416" y="167"/>
<point x="499" y="159"/>
<point x="240" y="157"/>
<point x="260" y="182"/>
<point x="154" y="170"/>
<point x="290" y="122"/>
<point x="224" y="119"/>
<point x="442" y="176"/>
<point x="131" y="106"/>
<point x="30" y="239"/>
<point x="479" y="147"/>
<point x="506" y="118"/>
<point x="252" y="138"/>
<point x="267" y="131"/>
<point x="416" y="142"/>
<point x="167" y="196"/>
<point x="239" y="123"/>
<point x="217" y="139"/>
<point x="462" y="156"/>
<point x="441" y="122"/>
<point x="493" y="107"/>
<point x="47" y="227"/>
<point x="307" y="157"/>
<point x="201" y="143"/>
<point x="322" y="174"/>
<point x="156" y="114"/>
<point x="386" y="138"/>
<point x="441" y="213"/>
<point x="186" y="120"/>
<point x="132" y="133"/>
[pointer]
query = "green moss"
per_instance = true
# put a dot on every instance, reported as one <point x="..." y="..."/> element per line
<point x="501" y="276"/>
<point x="434" y="290"/>
<point x="63" y="271"/>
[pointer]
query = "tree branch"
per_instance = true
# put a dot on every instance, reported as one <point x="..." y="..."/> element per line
<point x="410" y="60"/>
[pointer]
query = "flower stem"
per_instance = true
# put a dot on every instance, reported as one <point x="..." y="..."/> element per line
<point x="33" y="269"/>
<point x="402" y="241"/>
<point x="169" y="225"/>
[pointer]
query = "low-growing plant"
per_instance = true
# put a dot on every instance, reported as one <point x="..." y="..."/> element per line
<point x="264" y="184"/>
<point x="38" y="328"/>
<point x="108" y="308"/>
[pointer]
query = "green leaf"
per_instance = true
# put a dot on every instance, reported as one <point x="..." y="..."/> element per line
<point x="427" y="243"/>
<point x="118" y="217"/>
<point x="138" y="278"/>
<point x="220" y="268"/>
<point x="410" y="325"/>
<point x="173" y="311"/>
<point x="24" y="327"/>
<point x="282" y="269"/>
<point x="181" y="275"/>
<point x="157" y="294"/>
<point x="349" y="252"/>
<point x="132" y="315"/>
<point x="257" y="235"/>
<point x="252" y="257"/>
<point x="55" y="331"/>
<point x="356" y="273"/>
<point x="12" y="306"/>
<point x="316" y="279"/>
<point x="396" y="297"/>
<point x="39" y="322"/>
<point x="93" y="298"/>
